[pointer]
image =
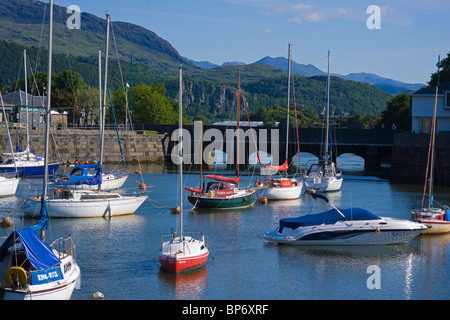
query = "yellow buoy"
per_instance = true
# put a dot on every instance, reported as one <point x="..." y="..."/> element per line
<point x="19" y="275"/>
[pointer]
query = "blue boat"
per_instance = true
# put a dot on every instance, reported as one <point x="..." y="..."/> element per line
<point x="28" y="165"/>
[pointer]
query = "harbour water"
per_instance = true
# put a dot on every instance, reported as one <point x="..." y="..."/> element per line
<point x="118" y="256"/>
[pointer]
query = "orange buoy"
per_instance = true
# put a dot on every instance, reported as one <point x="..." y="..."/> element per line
<point x="86" y="162"/>
<point x="76" y="162"/>
<point x="137" y="171"/>
<point x="143" y="186"/>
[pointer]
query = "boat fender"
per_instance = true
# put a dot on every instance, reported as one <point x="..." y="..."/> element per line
<point x="18" y="273"/>
<point x="211" y="194"/>
<point x="245" y="199"/>
<point x="143" y="186"/>
<point x="377" y="230"/>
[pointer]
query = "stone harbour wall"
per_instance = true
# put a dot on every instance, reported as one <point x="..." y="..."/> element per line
<point x="84" y="145"/>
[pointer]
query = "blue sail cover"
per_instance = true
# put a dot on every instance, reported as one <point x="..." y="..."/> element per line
<point x="85" y="179"/>
<point x="38" y="252"/>
<point x="327" y="217"/>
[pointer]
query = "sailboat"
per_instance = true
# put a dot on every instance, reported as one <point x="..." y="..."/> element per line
<point x="74" y="203"/>
<point x="182" y="252"/>
<point x="26" y="162"/>
<point x="32" y="269"/>
<point x="224" y="192"/>
<point x="284" y="188"/>
<point x="8" y="185"/>
<point x="437" y="217"/>
<point x="323" y="176"/>
<point x="80" y="175"/>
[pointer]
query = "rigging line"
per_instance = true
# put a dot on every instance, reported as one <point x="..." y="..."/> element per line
<point x="120" y="68"/>
<point x="296" y="120"/>
<point x="117" y="130"/>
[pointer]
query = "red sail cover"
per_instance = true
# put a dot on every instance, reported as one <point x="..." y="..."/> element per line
<point x="234" y="180"/>
<point x="195" y="190"/>
<point x="283" y="167"/>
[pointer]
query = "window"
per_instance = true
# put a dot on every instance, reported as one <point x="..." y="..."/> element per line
<point x="447" y="99"/>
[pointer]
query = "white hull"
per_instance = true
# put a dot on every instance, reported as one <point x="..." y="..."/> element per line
<point x="61" y="289"/>
<point x="8" y="186"/>
<point x="284" y="193"/>
<point x="88" y="208"/>
<point x="107" y="184"/>
<point x="323" y="184"/>
<point x="363" y="232"/>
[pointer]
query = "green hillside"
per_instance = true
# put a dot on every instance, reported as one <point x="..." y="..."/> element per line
<point x="210" y="94"/>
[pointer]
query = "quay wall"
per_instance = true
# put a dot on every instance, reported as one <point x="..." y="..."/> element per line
<point x="84" y="145"/>
<point x="410" y="154"/>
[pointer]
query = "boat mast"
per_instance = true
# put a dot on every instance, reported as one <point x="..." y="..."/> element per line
<point x="238" y="113"/>
<point x="328" y="109"/>
<point x="47" y="110"/>
<point x="180" y="120"/>
<point x="26" y="99"/>
<point x="103" y="111"/>
<point x="100" y="86"/>
<point x="433" y="137"/>
<point x="288" y="101"/>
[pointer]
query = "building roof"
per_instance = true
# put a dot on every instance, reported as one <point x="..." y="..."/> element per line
<point x="17" y="98"/>
<point x="445" y="86"/>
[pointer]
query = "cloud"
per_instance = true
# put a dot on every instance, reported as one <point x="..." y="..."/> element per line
<point x="301" y="6"/>
<point x="313" y="17"/>
<point x="341" y="11"/>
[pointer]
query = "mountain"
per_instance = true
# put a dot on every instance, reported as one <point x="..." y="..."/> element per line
<point x="209" y="93"/>
<point x="385" y="84"/>
<point x="22" y="21"/>
<point x="300" y="69"/>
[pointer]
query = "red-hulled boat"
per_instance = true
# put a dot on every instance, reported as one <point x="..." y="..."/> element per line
<point x="181" y="252"/>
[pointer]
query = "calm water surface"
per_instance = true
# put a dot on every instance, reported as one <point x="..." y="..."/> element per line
<point x="118" y="256"/>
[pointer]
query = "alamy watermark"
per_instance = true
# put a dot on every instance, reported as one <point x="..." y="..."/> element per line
<point x="74" y="20"/>
<point x="374" y="280"/>
<point x="374" y="20"/>
<point x="219" y="141"/>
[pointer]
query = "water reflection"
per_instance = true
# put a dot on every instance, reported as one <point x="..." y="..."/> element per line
<point x="187" y="285"/>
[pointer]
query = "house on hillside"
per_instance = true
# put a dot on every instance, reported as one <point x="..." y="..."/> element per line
<point x="422" y="106"/>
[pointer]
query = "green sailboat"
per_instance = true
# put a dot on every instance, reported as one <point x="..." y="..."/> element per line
<point x="223" y="192"/>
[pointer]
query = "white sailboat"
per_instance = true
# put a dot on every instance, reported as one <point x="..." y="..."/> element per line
<point x="323" y="175"/>
<point x="31" y="269"/>
<point x="182" y="252"/>
<point x="8" y="185"/>
<point x="283" y="187"/>
<point x="75" y="203"/>
<point x="81" y="173"/>
<point x="433" y="214"/>
<point x="25" y="162"/>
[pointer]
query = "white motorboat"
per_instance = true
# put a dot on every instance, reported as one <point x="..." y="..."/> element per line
<point x="86" y="204"/>
<point x="352" y="226"/>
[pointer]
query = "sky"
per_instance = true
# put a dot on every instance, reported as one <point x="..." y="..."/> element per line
<point x="401" y="40"/>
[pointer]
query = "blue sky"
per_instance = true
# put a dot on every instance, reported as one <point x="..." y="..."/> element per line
<point x="412" y="35"/>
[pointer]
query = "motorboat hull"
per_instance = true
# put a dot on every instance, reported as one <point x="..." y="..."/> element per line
<point x="70" y="208"/>
<point x="364" y="232"/>
<point x="8" y="186"/>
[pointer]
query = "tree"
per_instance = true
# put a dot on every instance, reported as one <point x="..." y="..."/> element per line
<point x="397" y="112"/>
<point x="444" y="74"/>
<point x="150" y="105"/>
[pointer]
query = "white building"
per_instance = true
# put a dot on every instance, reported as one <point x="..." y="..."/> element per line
<point x="422" y="105"/>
